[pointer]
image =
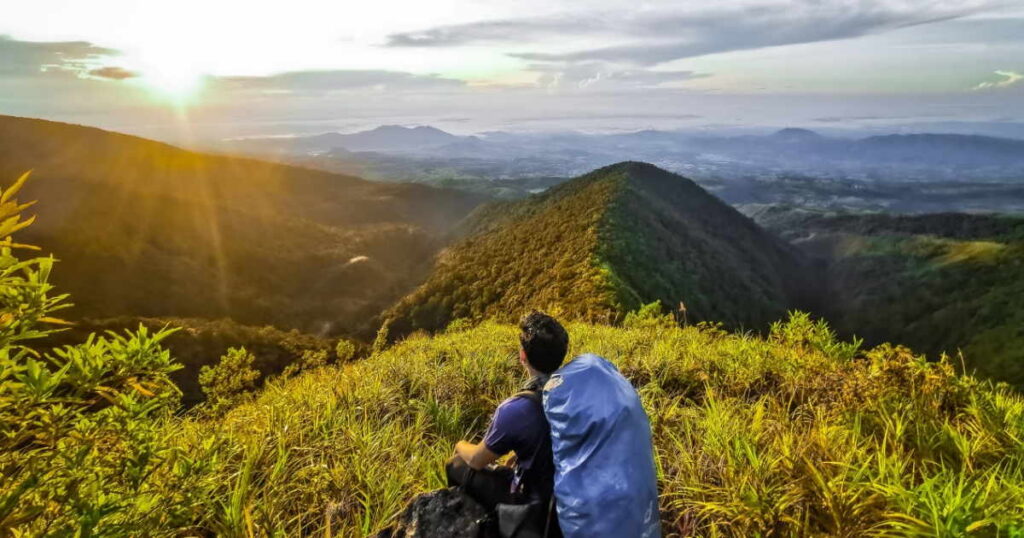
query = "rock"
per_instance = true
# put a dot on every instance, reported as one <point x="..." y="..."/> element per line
<point x="445" y="513"/>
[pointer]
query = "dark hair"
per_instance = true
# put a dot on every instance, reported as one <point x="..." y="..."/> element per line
<point x="544" y="340"/>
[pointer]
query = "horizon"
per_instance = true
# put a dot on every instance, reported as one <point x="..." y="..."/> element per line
<point x="196" y="72"/>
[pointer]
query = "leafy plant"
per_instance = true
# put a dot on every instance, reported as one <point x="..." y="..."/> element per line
<point x="227" y="382"/>
<point x="80" y="427"/>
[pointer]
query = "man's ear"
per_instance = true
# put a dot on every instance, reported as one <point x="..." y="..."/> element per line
<point x="522" y="356"/>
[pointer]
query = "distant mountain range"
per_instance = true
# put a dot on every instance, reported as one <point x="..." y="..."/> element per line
<point x="424" y="153"/>
<point x="386" y="138"/>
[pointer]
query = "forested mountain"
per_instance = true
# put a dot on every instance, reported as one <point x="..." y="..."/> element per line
<point x="938" y="283"/>
<point x="146" y="229"/>
<point x="604" y="244"/>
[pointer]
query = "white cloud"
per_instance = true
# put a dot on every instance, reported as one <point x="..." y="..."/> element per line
<point x="1009" y="78"/>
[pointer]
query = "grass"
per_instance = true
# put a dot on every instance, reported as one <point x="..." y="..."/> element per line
<point x="794" y="434"/>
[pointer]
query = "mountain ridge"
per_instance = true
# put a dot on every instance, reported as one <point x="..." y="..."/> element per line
<point x="604" y="244"/>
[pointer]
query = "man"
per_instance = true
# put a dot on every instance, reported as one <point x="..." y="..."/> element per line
<point x="518" y="426"/>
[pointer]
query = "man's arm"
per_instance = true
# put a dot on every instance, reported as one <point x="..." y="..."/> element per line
<point x="477" y="456"/>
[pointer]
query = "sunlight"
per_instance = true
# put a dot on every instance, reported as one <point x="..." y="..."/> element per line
<point x="169" y="71"/>
<point x="175" y="83"/>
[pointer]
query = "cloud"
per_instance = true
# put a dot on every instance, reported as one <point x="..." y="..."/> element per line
<point x="112" y="73"/>
<point x="660" y="36"/>
<point x="497" y="31"/>
<point x="1009" y="78"/>
<point x="334" y="80"/>
<point x="30" y="58"/>
<point x="597" y="75"/>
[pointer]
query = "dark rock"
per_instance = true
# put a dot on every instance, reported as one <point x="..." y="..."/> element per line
<point x="445" y="513"/>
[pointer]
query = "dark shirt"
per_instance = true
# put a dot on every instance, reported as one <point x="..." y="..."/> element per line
<point x="519" y="426"/>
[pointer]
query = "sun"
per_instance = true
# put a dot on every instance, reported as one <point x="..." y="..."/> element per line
<point x="169" y="75"/>
<point x="175" y="83"/>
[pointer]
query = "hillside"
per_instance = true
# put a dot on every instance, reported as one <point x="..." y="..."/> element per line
<point x="797" y="434"/>
<point x="147" y="229"/>
<point x="604" y="244"/>
<point x="939" y="283"/>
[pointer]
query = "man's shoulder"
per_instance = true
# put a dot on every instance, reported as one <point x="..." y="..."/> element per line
<point x="518" y="404"/>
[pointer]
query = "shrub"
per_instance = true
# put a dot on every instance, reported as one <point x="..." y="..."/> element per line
<point x="81" y="427"/>
<point x="345" y="350"/>
<point x="648" y="315"/>
<point x="227" y="382"/>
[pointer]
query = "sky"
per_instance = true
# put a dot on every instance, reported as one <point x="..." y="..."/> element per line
<point x="213" y="69"/>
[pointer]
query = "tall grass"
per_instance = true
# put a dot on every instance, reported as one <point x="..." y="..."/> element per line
<point x="794" y="434"/>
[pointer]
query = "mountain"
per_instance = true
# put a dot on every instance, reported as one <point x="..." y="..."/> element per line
<point x="604" y="244"/>
<point x="386" y="138"/>
<point x="146" y="229"/>
<point x="940" y="149"/>
<point x="393" y="137"/>
<point x="944" y="283"/>
<point x="796" y="135"/>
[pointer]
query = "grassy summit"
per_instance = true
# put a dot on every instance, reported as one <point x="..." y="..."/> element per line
<point x="794" y="434"/>
<point x="604" y="244"/>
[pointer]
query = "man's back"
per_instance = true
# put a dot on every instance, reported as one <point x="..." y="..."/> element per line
<point x="519" y="426"/>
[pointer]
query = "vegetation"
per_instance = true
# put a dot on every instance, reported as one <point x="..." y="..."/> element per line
<point x="942" y="283"/>
<point x="228" y="381"/>
<point x="82" y="428"/>
<point x="604" y="244"/>
<point x="199" y="342"/>
<point x="793" y="434"/>
<point x="147" y="229"/>
<point x="666" y="239"/>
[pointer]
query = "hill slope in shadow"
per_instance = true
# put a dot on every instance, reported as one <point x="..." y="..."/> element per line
<point x="144" y="228"/>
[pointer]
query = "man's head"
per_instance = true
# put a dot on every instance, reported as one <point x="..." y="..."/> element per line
<point x="543" y="342"/>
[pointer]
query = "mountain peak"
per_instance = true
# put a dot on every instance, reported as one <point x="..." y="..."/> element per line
<point x="422" y="129"/>
<point x="796" y="134"/>
<point x="643" y="175"/>
<point x="604" y="244"/>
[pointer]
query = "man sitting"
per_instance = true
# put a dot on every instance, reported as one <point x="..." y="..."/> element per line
<point x="518" y="426"/>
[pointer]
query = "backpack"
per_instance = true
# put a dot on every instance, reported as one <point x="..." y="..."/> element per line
<point x="605" y="480"/>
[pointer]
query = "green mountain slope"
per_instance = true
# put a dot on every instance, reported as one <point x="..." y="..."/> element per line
<point x="939" y="283"/>
<point x="603" y="244"/>
<point x="143" y="228"/>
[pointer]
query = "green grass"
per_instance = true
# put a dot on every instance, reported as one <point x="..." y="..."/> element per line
<point x="791" y="435"/>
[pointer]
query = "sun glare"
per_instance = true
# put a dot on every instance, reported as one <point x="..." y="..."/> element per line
<point x="176" y="84"/>
<point x="169" y="73"/>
